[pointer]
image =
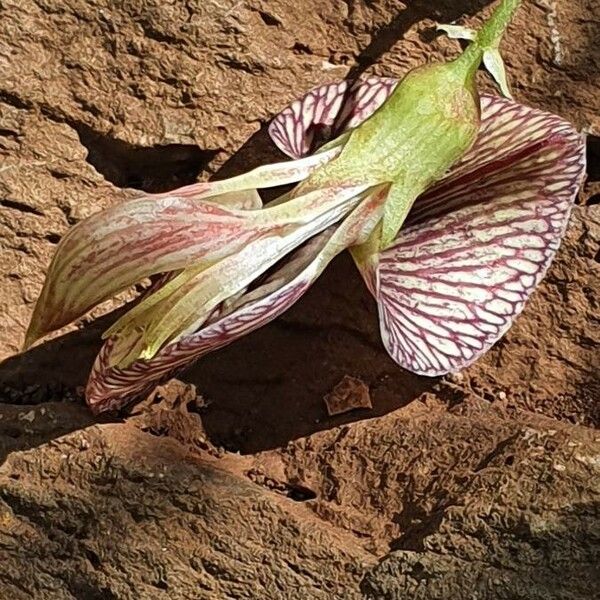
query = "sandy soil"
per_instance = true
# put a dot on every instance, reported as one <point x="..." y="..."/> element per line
<point x="235" y="483"/>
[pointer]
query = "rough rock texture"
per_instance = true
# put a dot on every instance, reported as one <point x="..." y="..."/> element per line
<point x="509" y="508"/>
<point x="479" y="485"/>
<point x="110" y="512"/>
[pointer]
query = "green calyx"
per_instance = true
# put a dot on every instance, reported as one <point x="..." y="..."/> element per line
<point x="427" y="124"/>
<point x="486" y="42"/>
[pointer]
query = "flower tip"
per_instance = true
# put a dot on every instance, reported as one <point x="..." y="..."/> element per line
<point x="97" y="406"/>
<point x="386" y="240"/>
<point x="42" y="321"/>
<point x="33" y="334"/>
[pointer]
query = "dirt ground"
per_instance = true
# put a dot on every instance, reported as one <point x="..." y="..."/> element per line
<point x="235" y="482"/>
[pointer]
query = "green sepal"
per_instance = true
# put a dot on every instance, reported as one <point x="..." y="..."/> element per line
<point x="458" y="32"/>
<point x="494" y="64"/>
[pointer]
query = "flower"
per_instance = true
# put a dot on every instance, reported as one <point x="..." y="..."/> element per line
<point x="450" y="255"/>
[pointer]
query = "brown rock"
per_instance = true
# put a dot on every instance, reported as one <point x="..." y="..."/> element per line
<point x="481" y="484"/>
<point x="132" y="515"/>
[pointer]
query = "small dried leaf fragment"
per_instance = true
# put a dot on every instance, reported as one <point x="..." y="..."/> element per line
<point x="350" y="393"/>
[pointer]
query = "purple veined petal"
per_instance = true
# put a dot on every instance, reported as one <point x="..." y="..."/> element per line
<point x="120" y="246"/>
<point x="243" y="200"/>
<point x="109" y="388"/>
<point x="364" y="98"/>
<point x="152" y="234"/>
<point x="334" y="108"/>
<point x="293" y="128"/>
<point x="509" y="132"/>
<point x="480" y="241"/>
<point x="185" y="303"/>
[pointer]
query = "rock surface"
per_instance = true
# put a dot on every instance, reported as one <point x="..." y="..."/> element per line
<point x="481" y="485"/>
<point x="111" y="512"/>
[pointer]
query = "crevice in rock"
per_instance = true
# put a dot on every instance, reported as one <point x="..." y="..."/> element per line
<point x="53" y="238"/>
<point x="154" y="169"/>
<point x="495" y="452"/>
<point x="414" y="537"/>
<point x="242" y="63"/>
<point x="269" y="19"/>
<point x="161" y="584"/>
<point x="153" y="33"/>
<point x="293" y="490"/>
<point x="21" y="207"/>
<point x="14" y="100"/>
<point x="300" y="493"/>
<point x="593" y="159"/>
<point x="300" y="48"/>
<point x="92" y="557"/>
<point x="8" y="133"/>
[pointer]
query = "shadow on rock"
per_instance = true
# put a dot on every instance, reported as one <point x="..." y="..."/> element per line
<point x="269" y="387"/>
<point x="446" y="11"/>
<point x="41" y="390"/>
<point x="263" y="390"/>
<point x="113" y="509"/>
<point x="46" y="371"/>
<point x="549" y="558"/>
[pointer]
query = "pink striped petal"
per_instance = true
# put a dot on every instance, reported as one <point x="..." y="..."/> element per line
<point x="479" y="242"/>
<point x="144" y="236"/>
<point x="120" y="246"/>
<point x="364" y="99"/>
<point x="327" y="109"/>
<point x="110" y="387"/>
<point x="185" y="303"/>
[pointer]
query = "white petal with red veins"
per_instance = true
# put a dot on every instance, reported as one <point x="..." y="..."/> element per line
<point x="293" y="128"/>
<point x="333" y="107"/>
<point x="480" y="241"/>
<point x="109" y="387"/>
